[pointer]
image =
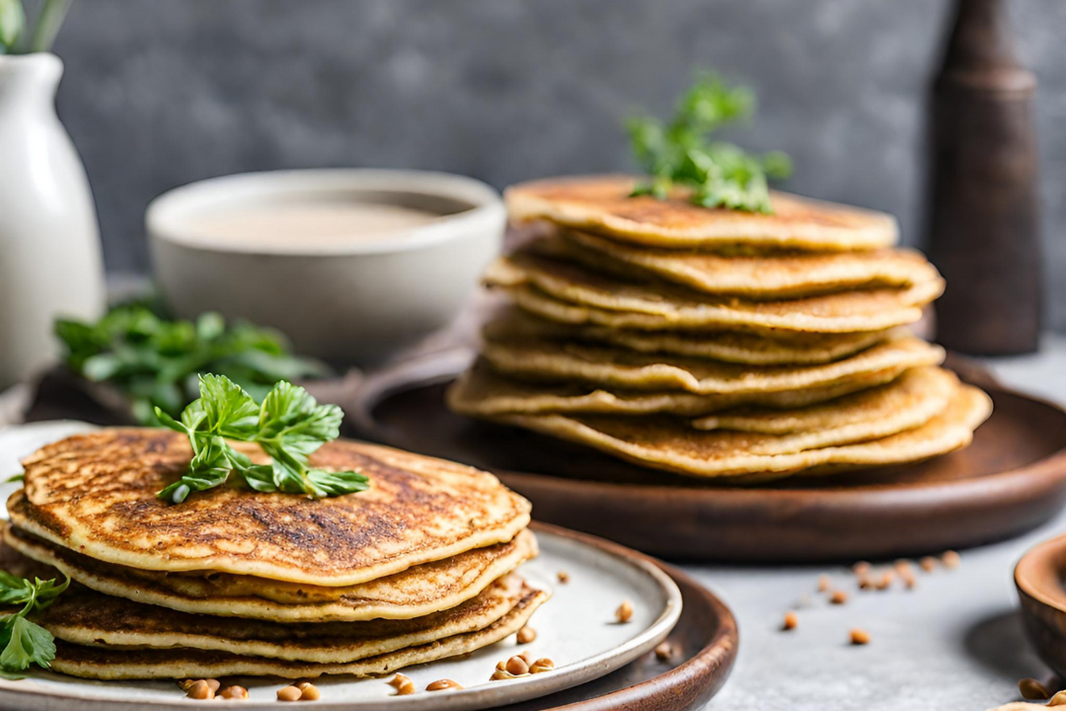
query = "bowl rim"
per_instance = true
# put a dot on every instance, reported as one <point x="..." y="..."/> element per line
<point x="1035" y="556"/>
<point x="164" y="212"/>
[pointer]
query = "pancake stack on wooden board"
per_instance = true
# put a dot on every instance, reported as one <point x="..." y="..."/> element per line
<point x="716" y="343"/>
<point x="234" y="582"/>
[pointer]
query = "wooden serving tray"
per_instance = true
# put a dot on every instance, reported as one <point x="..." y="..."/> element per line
<point x="1011" y="479"/>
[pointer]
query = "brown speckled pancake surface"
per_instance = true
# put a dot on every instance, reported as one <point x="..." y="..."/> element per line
<point x="764" y="275"/>
<point x="664" y="305"/>
<point x="420" y="590"/>
<point x="601" y="203"/>
<point x="619" y="368"/>
<point x="95" y="494"/>
<point x="112" y="664"/>
<point x="673" y="445"/>
<point x="81" y="616"/>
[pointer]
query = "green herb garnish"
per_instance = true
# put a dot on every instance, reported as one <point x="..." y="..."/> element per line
<point x="15" y="37"/>
<point x="680" y="154"/>
<point x="289" y="426"/>
<point x="24" y="642"/>
<point x="155" y="361"/>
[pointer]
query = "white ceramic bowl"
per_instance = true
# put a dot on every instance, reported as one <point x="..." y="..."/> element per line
<point x="351" y="302"/>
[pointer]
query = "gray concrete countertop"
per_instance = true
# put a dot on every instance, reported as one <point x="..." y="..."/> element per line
<point x="954" y="642"/>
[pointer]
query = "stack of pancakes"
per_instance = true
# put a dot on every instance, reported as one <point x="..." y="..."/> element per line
<point x="234" y="582"/>
<point x="713" y="342"/>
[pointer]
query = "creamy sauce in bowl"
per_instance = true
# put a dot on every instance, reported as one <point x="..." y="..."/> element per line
<point x="306" y="223"/>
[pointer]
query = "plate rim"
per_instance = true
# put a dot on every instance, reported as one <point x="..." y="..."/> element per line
<point x="481" y="697"/>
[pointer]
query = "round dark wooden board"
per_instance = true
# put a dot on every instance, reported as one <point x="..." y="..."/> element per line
<point x="1011" y="479"/>
<point x="703" y="648"/>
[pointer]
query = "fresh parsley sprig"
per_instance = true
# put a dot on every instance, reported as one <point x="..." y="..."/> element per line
<point x="289" y="426"/>
<point x="24" y="642"/>
<point x="716" y="173"/>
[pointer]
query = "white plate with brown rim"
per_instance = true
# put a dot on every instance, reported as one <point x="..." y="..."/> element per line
<point x="576" y="628"/>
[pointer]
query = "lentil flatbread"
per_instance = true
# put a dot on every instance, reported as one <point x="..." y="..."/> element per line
<point x="761" y="276"/>
<point x="113" y="664"/>
<point x="670" y="444"/>
<point x="602" y="204"/>
<point x="481" y="392"/>
<point x="96" y="493"/>
<point x="909" y="401"/>
<point x="662" y="305"/>
<point x="617" y="368"/>
<point x="730" y="346"/>
<point x="418" y="591"/>
<point x="81" y="616"/>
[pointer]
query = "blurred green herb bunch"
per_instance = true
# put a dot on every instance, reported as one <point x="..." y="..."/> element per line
<point x="16" y="34"/>
<point x="155" y="362"/>
<point x="680" y="153"/>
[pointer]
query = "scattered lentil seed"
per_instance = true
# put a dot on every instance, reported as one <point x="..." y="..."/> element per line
<point x="402" y="684"/>
<point x="903" y="566"/>
<point x="301" y="685"/>
<point x="950" y="559"/>
<point x="564" y="577"/>
<point x="1033" y="690"/>
<point x="908" y="578"/>
<point x="1059" y="699"/>
<point x="526" y="635"/>
<point x="213" y="683"/>
<point x="928" y="564"/>
<point x="865" y="583"/>
<point x="624" y="613"/>
<point x="790" y="621"/>
<point x="823" y="583"/>
<point x="839" y="597"/>
<point x="289" y="693"/>
<point x="310" y="693"/>
<point x="501" y="675"/>
<point x="443" y="685"/>
<point x="184" y="684"/>
<point x="861" y="568"/>
<point x="664" y="651"/>
<point x="859" y="636"/>
<point x="527" y="656"/>
<point x="517" y="666"/>
<point x="541" y="665"/>
<point x="885" y="581"/>
<point x="234" y="692"/>
<point x="200" y="689"/>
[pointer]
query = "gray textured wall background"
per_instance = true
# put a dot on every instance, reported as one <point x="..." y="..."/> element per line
<point x="162" y="93"/>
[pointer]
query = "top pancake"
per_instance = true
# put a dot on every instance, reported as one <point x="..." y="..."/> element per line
<point x="602" y="204"/>
<point x="95" y="493"/>
<point x="765" y="275"/>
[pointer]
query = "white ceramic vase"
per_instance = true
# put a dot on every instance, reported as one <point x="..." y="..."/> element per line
<point x="50" y="261"/>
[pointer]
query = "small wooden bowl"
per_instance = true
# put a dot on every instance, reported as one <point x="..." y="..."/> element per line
<point x="1040" y="577"/>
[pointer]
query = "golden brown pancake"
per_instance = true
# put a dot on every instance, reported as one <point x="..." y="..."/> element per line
<point x="662" y="305"/>
<point x="96" y="493"/>
<point x="111" y="664"/>
<point x="785" y="348"/>
<point x="910" y="400"/>
<point x="481" y="392"/>
<point x="81" y="616"/>
<point x="617" y="368"/>
<point x="762" y="276"/>
<point x="420" y="590"/>
<point x="601" y="204"/>
<point x="673" y="445"/>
